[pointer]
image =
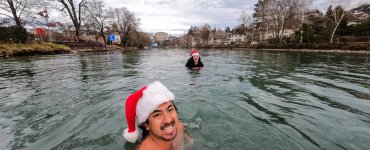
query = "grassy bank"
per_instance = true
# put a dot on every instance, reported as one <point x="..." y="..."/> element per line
<point x="7" y="50"/>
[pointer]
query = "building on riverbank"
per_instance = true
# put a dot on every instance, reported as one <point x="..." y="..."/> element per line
<point x="219" y="38"/>
<point x="277" y="25"/>
<point x="358" y="14"/>
<point x="162" y="38"/>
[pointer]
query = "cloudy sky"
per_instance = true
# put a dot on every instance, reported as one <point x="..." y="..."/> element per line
<point x="176" y="16"/>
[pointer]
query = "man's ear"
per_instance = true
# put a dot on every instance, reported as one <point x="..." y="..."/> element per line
<point x="146" y="126"/>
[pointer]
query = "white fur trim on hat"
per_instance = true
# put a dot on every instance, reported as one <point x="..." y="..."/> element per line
<point x="131" y="137"/>
<point x="154" y="95"/>
<point x="195" y="54"/>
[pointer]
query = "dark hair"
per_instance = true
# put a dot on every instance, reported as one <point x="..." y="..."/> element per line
<point x="145" y="132"/>
<point x="191" y="59"/>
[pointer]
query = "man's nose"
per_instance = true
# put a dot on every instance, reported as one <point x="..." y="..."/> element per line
<point x="166" y="118"/>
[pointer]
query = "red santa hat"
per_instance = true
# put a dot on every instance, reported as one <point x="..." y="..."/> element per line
<point x="140" y="104"/>
<point x="194" y="52"/>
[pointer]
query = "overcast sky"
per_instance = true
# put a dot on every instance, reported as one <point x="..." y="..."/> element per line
<point x="176" y="16"/>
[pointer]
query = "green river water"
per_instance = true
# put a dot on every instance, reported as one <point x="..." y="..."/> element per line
<point x="241" y="99"/>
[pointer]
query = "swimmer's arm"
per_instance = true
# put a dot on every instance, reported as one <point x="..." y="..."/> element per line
<point x="189" y="138"/>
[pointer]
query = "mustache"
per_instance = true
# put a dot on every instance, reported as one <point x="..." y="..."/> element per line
<point x="167" y="124"/>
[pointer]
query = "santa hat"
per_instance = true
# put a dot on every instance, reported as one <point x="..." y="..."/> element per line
<point x="141" y="103"/>
<point x="194" y="52"/>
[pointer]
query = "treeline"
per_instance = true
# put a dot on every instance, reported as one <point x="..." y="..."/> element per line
<point x="289" y="22"/>
<point x="91" y="17"/>
<point x="273" y="17"/>
<point x="333" y="27"/>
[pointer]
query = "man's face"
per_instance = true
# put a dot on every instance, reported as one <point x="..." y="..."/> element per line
<point x="196" y="58"/>
<point x="162" y="123"/>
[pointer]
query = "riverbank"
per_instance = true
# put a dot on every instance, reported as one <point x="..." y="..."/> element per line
<point x="95" y="47"/>
<point x="359" y="48"/>
<point x="7" y="50"/>
<point x="102" y="49"/>
<point x="332" y="48"/>
<point x="337" y="51"/>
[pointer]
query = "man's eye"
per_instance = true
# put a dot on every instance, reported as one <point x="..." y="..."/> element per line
<point x="171" y="109"/>
<point x="156" y="115"/>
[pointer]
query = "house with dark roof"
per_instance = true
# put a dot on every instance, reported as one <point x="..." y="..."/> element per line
<point x="218" y="38"/>
<point x="358" y="14"/>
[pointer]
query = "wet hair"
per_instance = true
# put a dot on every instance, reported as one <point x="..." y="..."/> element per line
<point x="145" y="132"/>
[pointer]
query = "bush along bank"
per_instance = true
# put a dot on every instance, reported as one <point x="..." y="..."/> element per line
<point x="13" y="34"/>
<point x="34" y="48"/>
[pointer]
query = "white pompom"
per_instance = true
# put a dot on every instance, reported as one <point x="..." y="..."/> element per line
<point x="131" y="137"/>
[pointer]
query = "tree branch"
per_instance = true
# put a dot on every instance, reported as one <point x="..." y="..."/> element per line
<point x="73" y="9"/>
<point x="4" y="5"/>
<point x="6" y="15"/>
<point x="79" y="10"/>
<point x="21" y="12"/>
<point x="17" y="4"/>
<point x="68" y="9"/>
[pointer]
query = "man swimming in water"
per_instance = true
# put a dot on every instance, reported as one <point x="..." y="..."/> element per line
<point x="156" y="114"/>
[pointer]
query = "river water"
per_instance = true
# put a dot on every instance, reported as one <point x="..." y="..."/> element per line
<point x="242" y="99"/>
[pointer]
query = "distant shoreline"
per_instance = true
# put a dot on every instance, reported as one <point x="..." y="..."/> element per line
<point x="348" y="48"/>
<point x="48" y="48"/>
<point x="361" y="48"/>
<point x="338" y="51"/>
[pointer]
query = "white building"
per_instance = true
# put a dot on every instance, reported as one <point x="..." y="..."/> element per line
<point x="236" y="38"/>
<point x="219" y="37"/>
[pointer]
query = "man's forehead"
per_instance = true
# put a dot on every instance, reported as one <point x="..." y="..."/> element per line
<point x="164" y="106"/>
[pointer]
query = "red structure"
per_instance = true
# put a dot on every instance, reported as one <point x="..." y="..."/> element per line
<point x="40" y="32"/>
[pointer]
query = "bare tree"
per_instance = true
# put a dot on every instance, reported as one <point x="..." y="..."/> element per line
<point x="302" y="8"/>
<point x="204" y="32"/>
<point x="15" y="9"/>
<point x="246" y="21"/>
<point x="337" y="15"/>
<point x="196" y="35"/>
<point x="275" y="15"/>
<point x="74" y="10"/>
<point x="97" y="15"/>
<point x="286" y="9"/>
<point x="272" y="18"/>
<point x="139" y="39"/>
<point x="65" y="28"/>
<point x="188" y="39"/>
<point x="125" y="22"/>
